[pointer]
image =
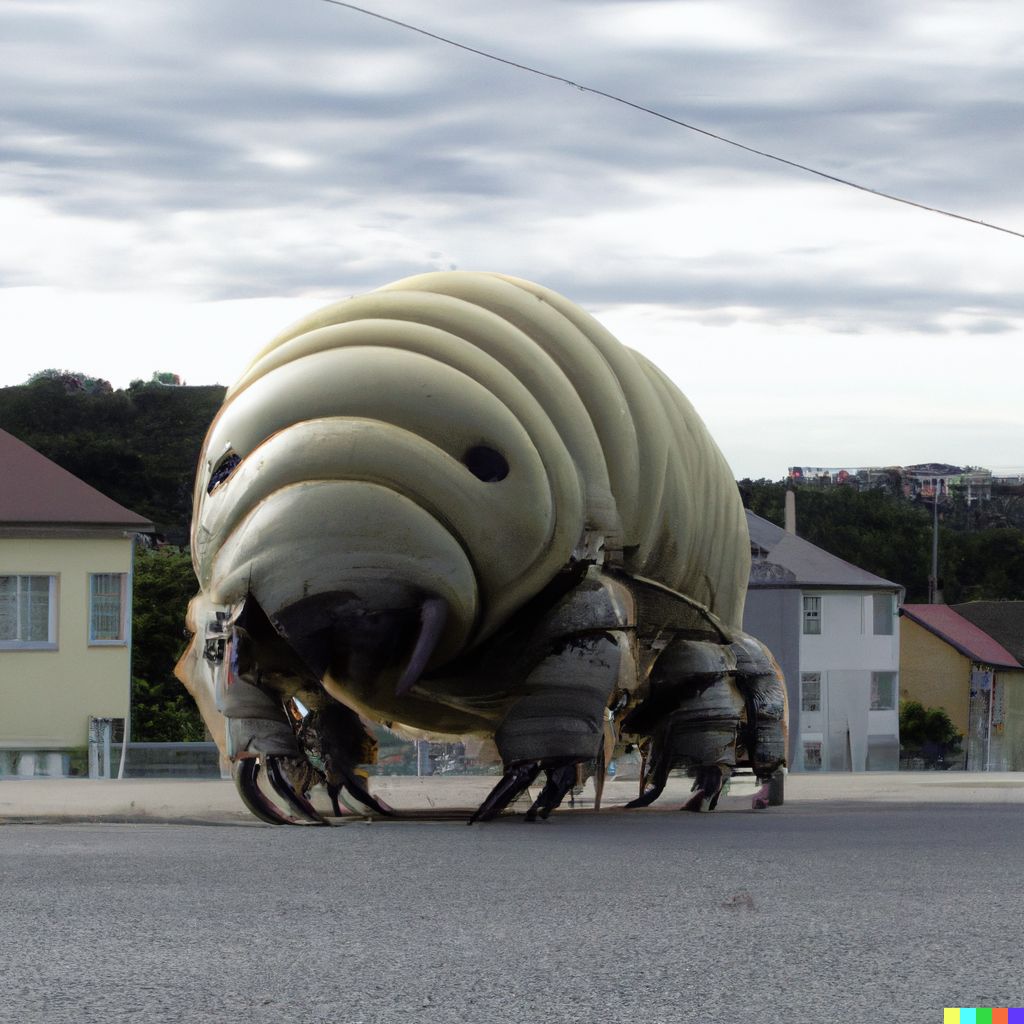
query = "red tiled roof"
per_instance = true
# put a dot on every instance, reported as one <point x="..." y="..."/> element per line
<point x="35" y="490"/>
<point x="967" y="638"/>
<point x="1002" y="620"/>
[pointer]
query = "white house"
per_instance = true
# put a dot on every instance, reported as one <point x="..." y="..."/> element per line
<point x="834" y="629"/>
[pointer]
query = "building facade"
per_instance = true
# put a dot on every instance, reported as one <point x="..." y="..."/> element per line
<point x="66" y="555"/>
<point x="835" y="631"/>
<point x="950" y="660"/>
<point x="922" y="481"/>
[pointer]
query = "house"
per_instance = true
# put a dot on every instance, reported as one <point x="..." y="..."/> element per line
<point x="65" y="610"/>
<point x="968" y="659"/>
<point x="834" y="629"/>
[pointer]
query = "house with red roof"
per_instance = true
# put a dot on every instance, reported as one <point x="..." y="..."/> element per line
<point x="66" y="553"/>
<point x="968" y="659"/>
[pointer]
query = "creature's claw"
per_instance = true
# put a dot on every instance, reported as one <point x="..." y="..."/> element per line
<point x="341" y="809"/>
<point x="707" y="788"/>
<point x="560" y="781"/>
<point x="761" y="798"/>
<point x="658" y="779"/>
<point x="296" y="800"/>
<point x="353" y="785"/>
<point x="246" y="774"/>
<point x="648" y="797"/>
<point x="513" y="782"/>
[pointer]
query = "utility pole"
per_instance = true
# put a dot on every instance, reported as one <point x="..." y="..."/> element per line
<point x="934" y="594"/>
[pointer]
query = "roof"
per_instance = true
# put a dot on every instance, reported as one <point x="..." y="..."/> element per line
<point x="37" y="491"/>
<point x="790" y="561"/>
<point x="1002" y="620"/>
<point x="970" y="640"/>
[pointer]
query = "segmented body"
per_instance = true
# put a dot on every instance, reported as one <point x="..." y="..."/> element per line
<point x="470" y="460"/>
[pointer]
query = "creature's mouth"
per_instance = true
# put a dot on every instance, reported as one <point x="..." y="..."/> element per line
<point x="335" y="633"/>
<point x="362" y="583"/>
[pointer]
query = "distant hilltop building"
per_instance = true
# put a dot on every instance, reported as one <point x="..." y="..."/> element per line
<point x="171" y="380"/>
<point x="921" y="481"/>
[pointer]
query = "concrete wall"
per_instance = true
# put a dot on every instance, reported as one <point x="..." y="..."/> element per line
<point x="47" y="696"/>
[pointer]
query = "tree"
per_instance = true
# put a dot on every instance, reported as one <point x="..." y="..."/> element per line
<point x="162" y="710"/>
<point x="892" y="538"/>
<point x="927" y="733"/>
<point x="72" y="381"/>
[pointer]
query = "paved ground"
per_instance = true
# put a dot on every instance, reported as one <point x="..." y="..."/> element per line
<point x="851" y="903"/>
<point x="215" y="801"/>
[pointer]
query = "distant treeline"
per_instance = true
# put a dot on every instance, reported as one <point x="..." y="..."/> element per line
<point x="138" y="446"/>
<point x="892" y="537"/>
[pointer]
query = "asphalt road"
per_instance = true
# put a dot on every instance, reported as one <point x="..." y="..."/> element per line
<point x="806" y="913"/>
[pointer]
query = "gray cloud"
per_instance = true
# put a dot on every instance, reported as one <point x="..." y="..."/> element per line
<point x="342" y="123"/>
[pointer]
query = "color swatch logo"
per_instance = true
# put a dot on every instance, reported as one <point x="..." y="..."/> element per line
<point x="983" y="1015"/>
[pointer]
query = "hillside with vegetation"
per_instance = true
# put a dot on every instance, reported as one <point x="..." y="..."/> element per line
<point x="140" y="446"/>
<point x="892" y="537"/>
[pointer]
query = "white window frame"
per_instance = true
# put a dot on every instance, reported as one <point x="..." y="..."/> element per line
<point x="122" y="627"/>
<point x="807" y="746"/>
<point x="889" y="609"/>
<point x="805" y="678"/>
<point x="874" y="702"/>
<point x="50" y="643"/>
<point x="812" y="615"/>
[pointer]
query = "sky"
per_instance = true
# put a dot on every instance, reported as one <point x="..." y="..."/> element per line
<point x="182" y="181"/>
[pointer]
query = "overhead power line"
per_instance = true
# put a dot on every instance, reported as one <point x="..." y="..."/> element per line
<point x="672" y="120"/>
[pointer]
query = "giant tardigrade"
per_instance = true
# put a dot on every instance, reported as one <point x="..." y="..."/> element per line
<point x="458" y="506"/>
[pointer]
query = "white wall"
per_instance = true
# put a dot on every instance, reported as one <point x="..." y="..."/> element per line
<point x="846" y="653"/>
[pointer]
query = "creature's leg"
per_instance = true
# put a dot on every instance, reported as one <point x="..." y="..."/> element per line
<point x="695" y="711"/>
<point x="560" y="781"/>
<point x="560" y="722"/>
<point x="336" y="742"/>
<point x="254" y="678"/>
<point x="707" y="787"/>
<point x="703" y="734"/>
<point x="515" y="781"/>
<point x="259" y="732"/>
<point x="656" y="777"/>
<point x="761" y="683"/>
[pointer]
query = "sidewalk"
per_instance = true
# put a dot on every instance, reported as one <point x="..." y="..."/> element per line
<point x="216" y="802"/>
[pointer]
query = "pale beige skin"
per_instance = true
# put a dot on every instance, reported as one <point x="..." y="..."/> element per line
<point x="352" y="427"/>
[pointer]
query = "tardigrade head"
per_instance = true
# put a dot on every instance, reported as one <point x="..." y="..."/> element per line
<point x="383" y="467"/>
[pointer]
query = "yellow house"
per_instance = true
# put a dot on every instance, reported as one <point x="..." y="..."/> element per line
<point x="947" y="660"/>
<point x="65" y="610"/>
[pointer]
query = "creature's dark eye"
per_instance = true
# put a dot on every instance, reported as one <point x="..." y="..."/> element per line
<point x="223" y="470"/>
<point x="486" y="464"/>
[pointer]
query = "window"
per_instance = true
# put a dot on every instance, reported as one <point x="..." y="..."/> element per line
<point x="28" y="611"/>
<point x="106" y="608"/>
<point x="812" y="755"/>
<point x="812" y="615"/>
<point x="810" y="691"/>
<point x="883" y="614"/>
<point x="883" y="691"/>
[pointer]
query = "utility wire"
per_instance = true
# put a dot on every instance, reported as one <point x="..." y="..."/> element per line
<point x="670" y="119"/>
